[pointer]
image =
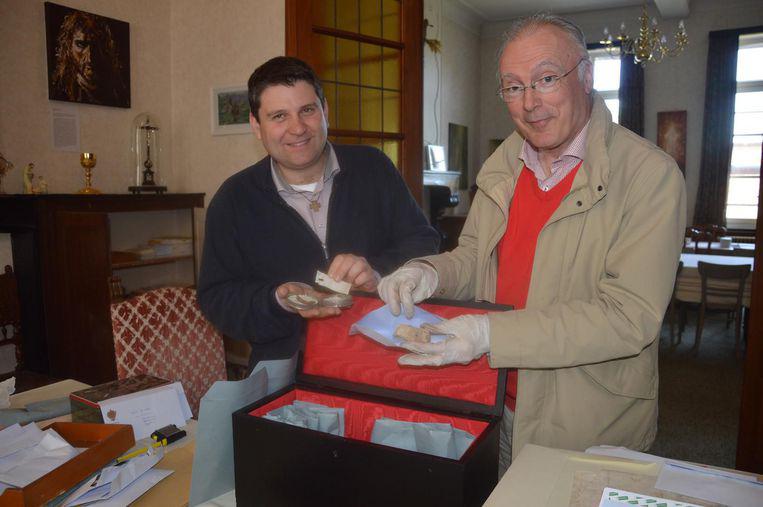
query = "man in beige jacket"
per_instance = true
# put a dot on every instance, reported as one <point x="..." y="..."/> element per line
<point x="600" y="274"/>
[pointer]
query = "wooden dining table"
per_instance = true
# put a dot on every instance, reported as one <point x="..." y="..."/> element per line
<point x="689" y="284"/>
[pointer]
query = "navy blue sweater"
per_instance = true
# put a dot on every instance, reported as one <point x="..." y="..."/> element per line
<point x="254" y="242"/>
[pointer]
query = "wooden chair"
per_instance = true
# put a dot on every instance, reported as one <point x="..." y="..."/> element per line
<point x="163" y="333"/>
<point x="236" y="358"/>
<point x="722" y="289"/>
<point x="10" y="317"/>
<point x="705" y="234"/>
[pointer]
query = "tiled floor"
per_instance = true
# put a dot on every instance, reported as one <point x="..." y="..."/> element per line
<point x="700" y="395"/>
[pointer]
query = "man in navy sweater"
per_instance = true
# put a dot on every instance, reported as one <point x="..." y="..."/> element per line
<point x="308" y="206"/>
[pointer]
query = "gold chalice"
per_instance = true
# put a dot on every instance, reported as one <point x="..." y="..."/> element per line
<point x="87" y="160"/>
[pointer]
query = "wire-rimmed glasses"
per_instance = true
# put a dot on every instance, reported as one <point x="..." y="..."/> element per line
<point x="545" y="84"/>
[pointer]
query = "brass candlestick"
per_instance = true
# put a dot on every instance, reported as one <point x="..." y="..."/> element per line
<point x="87" y="160"/>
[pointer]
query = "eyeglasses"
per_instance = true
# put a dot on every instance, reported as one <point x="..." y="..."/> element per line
<point x="546" y="84"/>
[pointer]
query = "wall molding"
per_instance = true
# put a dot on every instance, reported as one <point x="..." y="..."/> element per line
<point x="464" y="15"/>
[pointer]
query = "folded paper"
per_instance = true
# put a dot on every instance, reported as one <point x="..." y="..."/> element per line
<point x="213" y="460"/>
<point x="27" y="453"/>
<point x="437" y="439"/>
<point x="310" y="415"/>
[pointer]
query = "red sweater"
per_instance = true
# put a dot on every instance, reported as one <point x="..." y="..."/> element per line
<point x="530" y="209"/>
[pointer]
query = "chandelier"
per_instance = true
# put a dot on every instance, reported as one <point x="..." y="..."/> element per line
<point x="650" y="46"/>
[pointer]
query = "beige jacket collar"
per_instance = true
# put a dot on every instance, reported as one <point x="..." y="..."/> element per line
<point x="500" y="172"/>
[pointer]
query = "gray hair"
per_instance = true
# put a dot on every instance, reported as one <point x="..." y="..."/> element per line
<point x="539" y="20"/>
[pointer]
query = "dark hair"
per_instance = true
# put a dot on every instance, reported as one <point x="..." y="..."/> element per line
<point x="105" y="58"/>
<point x="281" y="70"/>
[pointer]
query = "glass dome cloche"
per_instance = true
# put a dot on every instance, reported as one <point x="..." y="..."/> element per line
<point x="146" y="148"/>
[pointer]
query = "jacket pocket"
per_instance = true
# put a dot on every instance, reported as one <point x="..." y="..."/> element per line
<point x="634" y="377"/>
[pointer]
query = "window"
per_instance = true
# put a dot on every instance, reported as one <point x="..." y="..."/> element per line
<point x="744" y="173"/>
<point x="606" y="79"/>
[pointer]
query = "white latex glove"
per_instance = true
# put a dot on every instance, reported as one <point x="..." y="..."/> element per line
<point x="408" y="285"/>
<point x="470" y="339"/>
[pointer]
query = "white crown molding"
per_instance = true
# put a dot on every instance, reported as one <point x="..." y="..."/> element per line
<point x="670" y="9"/>
<point x="463" y="14"/>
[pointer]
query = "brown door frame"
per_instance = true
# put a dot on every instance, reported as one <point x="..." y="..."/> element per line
<point x="750" y="441"/>
<point x="298" y="43"/>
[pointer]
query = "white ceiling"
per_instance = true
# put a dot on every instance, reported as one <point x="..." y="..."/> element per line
<point x="493" y="10"/>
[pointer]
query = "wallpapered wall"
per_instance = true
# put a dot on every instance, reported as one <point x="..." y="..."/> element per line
<point x="180" y="49"/>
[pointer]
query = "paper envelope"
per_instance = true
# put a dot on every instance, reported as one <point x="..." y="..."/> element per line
<point x="213" y="459"/>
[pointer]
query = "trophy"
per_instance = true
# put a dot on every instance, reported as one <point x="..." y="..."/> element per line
<point x="87" y="160"/>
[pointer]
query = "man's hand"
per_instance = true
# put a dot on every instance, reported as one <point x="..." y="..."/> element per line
<point x="469" y="339"/>
<point x="287" y="289"/>
<point x="355" y="270"/>
<point x="408" y="285"/>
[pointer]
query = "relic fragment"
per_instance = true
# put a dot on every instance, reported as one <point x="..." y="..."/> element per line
<point x="302" y="301"/>
<point x="412" y="334"/>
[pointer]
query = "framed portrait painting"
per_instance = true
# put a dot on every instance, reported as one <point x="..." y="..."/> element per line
<point x="230" y="111"/>
<point x="458" y="152"/>
<point x="88" y="57"/>
<point x="671" y="135"/>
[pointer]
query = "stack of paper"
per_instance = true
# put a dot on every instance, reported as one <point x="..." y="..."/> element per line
<point x="119" y="485"/>
<point x="619" y="498"/>
<point x="27" y="453"/>
<point x="702" y="482"/>
<point x="164" y="247"/>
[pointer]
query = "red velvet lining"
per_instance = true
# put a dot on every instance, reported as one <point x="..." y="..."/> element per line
<point x="331" y="352"/>
<point x="361" y="415"/>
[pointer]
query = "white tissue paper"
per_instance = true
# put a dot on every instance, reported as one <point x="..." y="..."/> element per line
<point x="7" y="387"/>
<point x="310" y="415"/>
<point x="438" y="439"/>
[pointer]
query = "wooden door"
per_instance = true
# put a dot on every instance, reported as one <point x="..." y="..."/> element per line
<point x="80" y="342"/>
<point x="368" y="54"/>
<point x="750" y="441"/>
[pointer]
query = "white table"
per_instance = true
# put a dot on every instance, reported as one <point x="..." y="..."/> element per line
<point x="689" y="284"/>
<point x="544" y="477"/>
<point x="748" y="248"/>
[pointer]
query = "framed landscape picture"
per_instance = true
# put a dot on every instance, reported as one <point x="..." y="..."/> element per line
<point x="230" y="111"/>
<point x="88" y="57"/>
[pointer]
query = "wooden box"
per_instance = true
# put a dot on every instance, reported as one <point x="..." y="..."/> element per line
<point x="279" y="464"/>
<point x="104" y="442"/>
<point x="85" y="403"/>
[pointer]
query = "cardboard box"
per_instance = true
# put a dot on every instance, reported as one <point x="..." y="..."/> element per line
<point x="104" y="442"/>
<point x="85" y="403"/>
<point x="279" y="464"/>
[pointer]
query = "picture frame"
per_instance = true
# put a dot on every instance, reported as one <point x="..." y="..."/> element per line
<point x="671" y="135"/>
<point x="230" y="110"/>
<point x="436" y="158"/>
<point x="88" y="57"/>
<point x="458" y="152"/>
